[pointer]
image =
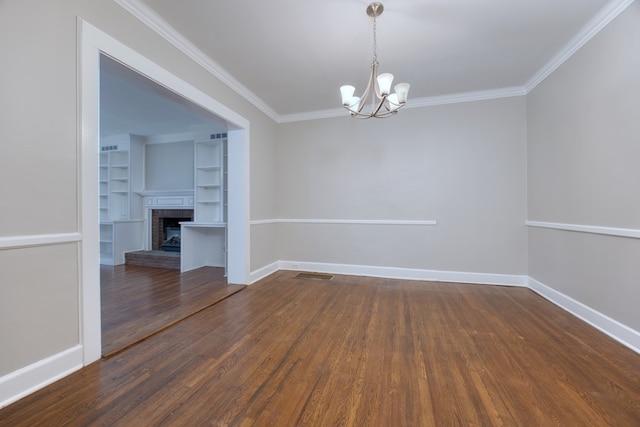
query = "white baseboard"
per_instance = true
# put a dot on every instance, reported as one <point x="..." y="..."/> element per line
<point x="18" y="384"/>
<point x="407" y="273"/>
<point x="616" y="330"/>
<point x="263" y="272"/>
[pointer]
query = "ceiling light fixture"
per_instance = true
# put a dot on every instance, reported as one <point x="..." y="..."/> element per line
<point x="377" y="95"/>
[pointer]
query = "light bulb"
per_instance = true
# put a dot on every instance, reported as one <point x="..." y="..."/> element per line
<point x="347" y="93"/>
<point x="402" y="89"/>
<point x="384" y="83"/>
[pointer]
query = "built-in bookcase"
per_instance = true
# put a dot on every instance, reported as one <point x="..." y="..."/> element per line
<point x="209" y="180"/>
<point x="120" y="205"/>
<point x="204" y="241"/>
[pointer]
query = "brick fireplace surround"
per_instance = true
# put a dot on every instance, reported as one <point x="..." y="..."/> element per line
<point x="158" y="217"/>
<point x="157" y="257"/>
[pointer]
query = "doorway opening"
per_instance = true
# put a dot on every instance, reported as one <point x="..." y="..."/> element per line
<point x="94" y="44"/>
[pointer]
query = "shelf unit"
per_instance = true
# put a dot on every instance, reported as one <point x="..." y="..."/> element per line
<point x="209" y="181"/>
<point x="120" y="205"/>
<point x="204" y="241"/>
<point x="103" y="182"/>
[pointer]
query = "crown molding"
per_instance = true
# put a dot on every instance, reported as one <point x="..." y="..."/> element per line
<point x="430" y="101"/>
<point x="455" y="98"/>
<point x="155" y="22"/>
<point x="607" y="14"/>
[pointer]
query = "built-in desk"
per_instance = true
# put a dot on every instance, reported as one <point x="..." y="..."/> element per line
<point x="202" y="244"/>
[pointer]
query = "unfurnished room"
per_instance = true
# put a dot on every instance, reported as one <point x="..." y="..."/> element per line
<point x="341" y="213"/>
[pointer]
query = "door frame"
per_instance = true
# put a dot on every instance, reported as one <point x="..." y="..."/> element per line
<point x="94" y="42"/>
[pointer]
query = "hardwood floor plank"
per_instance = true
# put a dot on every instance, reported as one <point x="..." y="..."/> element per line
<point x="356" y="351"/>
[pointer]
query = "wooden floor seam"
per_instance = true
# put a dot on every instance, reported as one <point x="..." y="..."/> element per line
<point x="166" y="326"/>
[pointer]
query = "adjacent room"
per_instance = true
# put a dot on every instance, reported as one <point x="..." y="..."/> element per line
<point x="350" y="213"/>
<point x="162" y="174"/>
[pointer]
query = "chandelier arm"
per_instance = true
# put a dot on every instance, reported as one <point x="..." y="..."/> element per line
<point x="372" y="78"/>
<point x="375" y="111"/>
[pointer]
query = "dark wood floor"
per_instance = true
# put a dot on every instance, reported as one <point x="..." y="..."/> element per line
<point x="139" y="301"/>
<point x="356" y="351"/>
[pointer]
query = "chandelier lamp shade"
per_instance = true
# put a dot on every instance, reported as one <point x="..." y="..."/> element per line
<point x="377" y="99"/>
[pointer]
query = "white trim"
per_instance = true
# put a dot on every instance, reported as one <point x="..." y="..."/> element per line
<point x="430" y="101"/>
<point x="24" y="381"/>
<point x="89" y="38"/>
<point x="594" y="229"/>
<point x="590" y="30"/>
<point x="265" y="271"/>
<point x="264" y="221"/>
<point x="456" y="98"/>
<point x="238" y="206"/>
<point x="405" y="273"/>
<point x="15" y="242"/>
<point x="93" y="42"/>
<point x="343" y="221"/>
<point x="166" y="193"/>
<point x="155" y="22"/>
<point x="616" y="330"/>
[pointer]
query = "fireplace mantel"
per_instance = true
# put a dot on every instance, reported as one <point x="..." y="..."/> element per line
<point x="159" y="199"/>
<point x="164" y="193"/>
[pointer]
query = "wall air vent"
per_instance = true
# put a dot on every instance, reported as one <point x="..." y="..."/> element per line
<point x="218" y="135"/>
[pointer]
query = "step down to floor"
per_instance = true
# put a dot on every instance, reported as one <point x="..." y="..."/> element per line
<point x="162" y="259"/>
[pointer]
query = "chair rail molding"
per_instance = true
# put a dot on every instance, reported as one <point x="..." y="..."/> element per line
<point x="14" y="242"/>
<point x="593" y="229"/>
<point x="343" y="221"/>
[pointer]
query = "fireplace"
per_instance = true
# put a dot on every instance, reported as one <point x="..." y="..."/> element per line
<point x="165" y="228"/>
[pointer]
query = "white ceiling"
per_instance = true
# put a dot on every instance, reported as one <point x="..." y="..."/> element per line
<point x="289" y="57"/>
<point x="131" y="103"/>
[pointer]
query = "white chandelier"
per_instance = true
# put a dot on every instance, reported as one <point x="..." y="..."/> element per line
<point x="377" y="96"/>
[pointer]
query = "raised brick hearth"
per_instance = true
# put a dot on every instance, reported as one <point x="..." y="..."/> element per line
<point x="162" y="259"/>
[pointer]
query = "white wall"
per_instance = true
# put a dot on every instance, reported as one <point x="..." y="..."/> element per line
<point x="583" y="151"/>
<point x="462" y="165"/>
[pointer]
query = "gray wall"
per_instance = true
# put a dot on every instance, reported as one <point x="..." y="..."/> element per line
<point x="39" y="307"/>
<point x="583" y="151"/>
<point x="169" y="166"/>
<point x="463" y="165"/>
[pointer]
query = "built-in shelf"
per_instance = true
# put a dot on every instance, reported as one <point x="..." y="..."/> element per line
<point x="209" y="181"/>
<point x="120" y="209"/>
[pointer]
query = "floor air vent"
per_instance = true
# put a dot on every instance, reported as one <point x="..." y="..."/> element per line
<point x="317" y="276"/>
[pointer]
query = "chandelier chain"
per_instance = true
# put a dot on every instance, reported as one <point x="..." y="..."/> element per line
<point x="375" y="41"/>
